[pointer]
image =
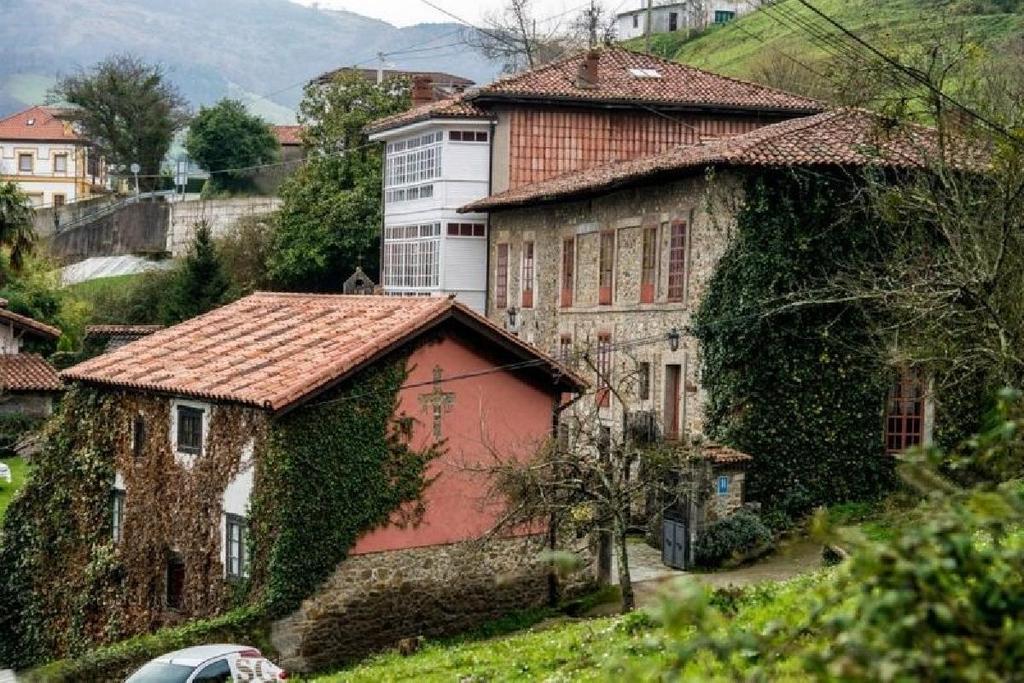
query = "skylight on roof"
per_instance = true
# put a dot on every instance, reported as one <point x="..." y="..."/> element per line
<point x="645" y="73"/>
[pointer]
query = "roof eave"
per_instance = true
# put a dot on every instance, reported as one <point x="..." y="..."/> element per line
<point x="377" y="134"/>
<point x="632" y="103"/>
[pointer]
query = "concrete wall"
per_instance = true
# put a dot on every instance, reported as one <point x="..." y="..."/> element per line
<point x="134" y="229"/>
<point x="220" y="214"/>
<point x="45" y="220"/>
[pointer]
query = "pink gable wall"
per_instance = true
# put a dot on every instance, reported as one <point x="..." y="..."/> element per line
<point x="494" y="412"/>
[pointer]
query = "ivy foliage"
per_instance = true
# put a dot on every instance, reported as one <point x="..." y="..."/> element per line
<point x="795" y="386"/>
<point x="59" y="521"/>
<point x="332" y="470"/>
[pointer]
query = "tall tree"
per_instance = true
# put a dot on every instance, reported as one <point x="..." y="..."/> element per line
<point x="225" y="138"/>
<point x="128" y="109"/>
<point x="16" y="233"/>
<point x="199" y="283"/>
<point x="516" y="37"/>
<point x="330" y="220"/>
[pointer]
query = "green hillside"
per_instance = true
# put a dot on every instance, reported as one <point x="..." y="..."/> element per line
<point x="746" y="46"/>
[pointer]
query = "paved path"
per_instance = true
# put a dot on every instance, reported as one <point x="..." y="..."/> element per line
<point x="648" y="573"/>
<point x="7" y="676"/>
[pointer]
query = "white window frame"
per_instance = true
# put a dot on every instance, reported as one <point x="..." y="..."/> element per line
<point x="236" y="568"/>
<point x="187" y="459"/>
<point x="117" y="504"/>
<point x="412" y="256"/>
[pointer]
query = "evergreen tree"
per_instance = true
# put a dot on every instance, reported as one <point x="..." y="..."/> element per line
<point x="199" y="284"/>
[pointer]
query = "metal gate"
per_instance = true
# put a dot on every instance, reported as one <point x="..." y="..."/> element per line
<point x="675" y="543"/>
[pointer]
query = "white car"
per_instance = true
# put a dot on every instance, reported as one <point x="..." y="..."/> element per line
<point x="5" y="473"/>
<point x="209" y="664"/>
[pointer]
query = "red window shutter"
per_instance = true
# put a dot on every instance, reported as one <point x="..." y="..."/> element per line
<point x="677" y="262"/>
<point x="649" y="266"/>
<point x="604" y="369"/>
<point x="528" y="273"/>
<point x="501" y="278"/>
<point x="568" y="271"/>
<point x="606" y="268"/>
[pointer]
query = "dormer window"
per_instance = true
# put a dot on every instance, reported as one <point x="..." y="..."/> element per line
<point x="30" y="122"/>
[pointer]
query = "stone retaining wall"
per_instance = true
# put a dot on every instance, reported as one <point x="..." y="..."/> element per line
<point x="373" y="601"/>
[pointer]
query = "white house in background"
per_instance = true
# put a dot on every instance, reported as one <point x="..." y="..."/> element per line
<point x="435" y="164"/>
<point x="47" y="159"/>
<point x="679" y="16"/>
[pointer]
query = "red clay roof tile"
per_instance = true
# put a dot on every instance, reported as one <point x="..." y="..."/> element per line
<point x="37" y="123"/>
<point x="272" y="350"/>
<point x="30" y="325"/>
<point x="844" y="137"/>
<point x="457" y="107"/>
<point x="288" y="135"/>
<point x="27" y="372"/>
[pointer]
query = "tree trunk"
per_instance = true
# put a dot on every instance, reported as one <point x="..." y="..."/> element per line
<point x="625" y="580"/>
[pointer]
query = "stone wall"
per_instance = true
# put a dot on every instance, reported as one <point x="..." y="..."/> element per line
<point x="29" y="404"/>
<point x="708" y="205"/>
<point x="220" y="214"/>
<point x="722" y="506"/>
<point x="375" y="600"/>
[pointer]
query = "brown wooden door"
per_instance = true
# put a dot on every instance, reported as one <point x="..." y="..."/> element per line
<point x="673" y="396"/>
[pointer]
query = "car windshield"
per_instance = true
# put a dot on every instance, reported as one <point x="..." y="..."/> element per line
<point x="161" y="672"/>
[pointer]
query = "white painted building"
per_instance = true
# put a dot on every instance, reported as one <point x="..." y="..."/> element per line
<point x="432" y="167"/>
<point x="46" y="158"/>
<point x="678" y="16"/>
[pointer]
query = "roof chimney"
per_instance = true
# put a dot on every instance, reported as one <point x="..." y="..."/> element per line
<point x="422" y="90"/>
<point x="587" y="78"/>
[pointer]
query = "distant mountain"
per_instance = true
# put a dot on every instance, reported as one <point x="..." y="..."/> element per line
<point x="260" y="51"/>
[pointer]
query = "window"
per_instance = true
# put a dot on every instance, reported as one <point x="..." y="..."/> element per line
<point x="236" y="564"/>
<point x="501" y="277"/>
<point x="218" y="672"/>
<point x="649" y="265"/>
<point x="190" y="430"/>
<point x="673" y="21"/>
<point x="467" y="136"/>
<point x="467" y="230"/>
<point x="175" y="596"/>
<point x="636" y="21"/>
<point x="25" y="163"/>
<point x="723" y="486"/>
<point x="412" y="256"/>
<point x="722" y="16"/>
<point x="904" y="418"/>
<point x="528" y="274"/>
<point x="604" y="369"/>
<point x="60" y="163"/>
<point x="677" y="262"/>
<point x="138" y="436"/>
<point x="117" y="515"/>
<point x="412" y="162"/>
<point x="568" y="270"/>
<point x="565" y="349"/>
<point x="643" y="381"/>
<point x="606" y="267"/>
<point x="58" y="200"/>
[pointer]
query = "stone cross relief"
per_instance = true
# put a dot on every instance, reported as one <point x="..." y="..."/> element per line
<point x="438" y="401"/>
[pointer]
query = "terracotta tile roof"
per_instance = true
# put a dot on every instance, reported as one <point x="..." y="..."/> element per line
<point x="27" y="372"/>
<point x="37" y="123"/>
<point x="273" y="350"/>
<point x="121" y="330"/>
<point x="288" y="135"/>
<point x="457" y="107"/>
<point x="631" y="77"/>
<point x="724" y="455"/>
<point x="844" y="137"/>
<point x="28" y="324"/>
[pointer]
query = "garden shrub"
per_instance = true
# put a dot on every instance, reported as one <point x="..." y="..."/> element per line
<point x="734" y="538"/>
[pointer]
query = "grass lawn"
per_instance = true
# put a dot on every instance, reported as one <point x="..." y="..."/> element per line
<point x="91" y="289"/>
<point x="19" y="470"/>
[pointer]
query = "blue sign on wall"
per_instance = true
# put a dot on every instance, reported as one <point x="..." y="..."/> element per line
<point x="723" y="486"/>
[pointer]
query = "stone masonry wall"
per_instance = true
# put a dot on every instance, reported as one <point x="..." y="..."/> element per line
<point x="707" y="204"/>
<point x="722" y="506"/>
<point x="375" y="600"/>
<point x="221" y="214"/>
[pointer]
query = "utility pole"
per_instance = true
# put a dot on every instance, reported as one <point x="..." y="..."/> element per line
<point x="649" y="26"/>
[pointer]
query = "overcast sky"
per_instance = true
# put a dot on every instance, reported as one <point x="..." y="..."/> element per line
<point x="406" y="12"/>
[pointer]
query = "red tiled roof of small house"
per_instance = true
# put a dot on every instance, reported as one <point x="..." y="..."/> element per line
<point x="28" y="324"/>
<point x="724" y="455"/>
<point x="624" y="76"/>
<point x="38" y="124"/>
<point x="27" y="372"/>
<point x="274" y="350"/>
<point x="457" y="107"/>
<point x="288" y="135"/>
<point x="843" y="137"/>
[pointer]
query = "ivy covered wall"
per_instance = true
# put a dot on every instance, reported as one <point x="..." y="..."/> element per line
<point x="796" y="386"/>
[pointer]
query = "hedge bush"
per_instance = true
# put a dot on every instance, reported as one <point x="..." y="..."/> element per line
<point x="245" y="626"/>
<point x="739" y="537"/>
